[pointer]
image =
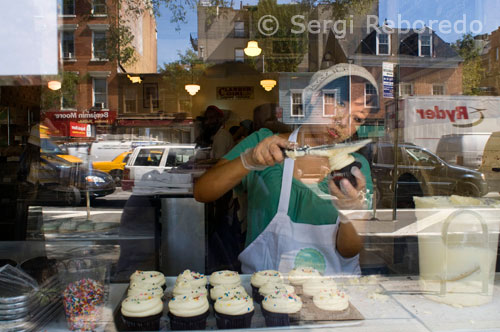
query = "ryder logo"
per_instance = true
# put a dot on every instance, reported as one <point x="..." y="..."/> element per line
<point x="459" y="113"/>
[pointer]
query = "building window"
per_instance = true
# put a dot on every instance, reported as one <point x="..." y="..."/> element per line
<point x="405" y="89"/>
<point x="68" y="44"/>
<point x="99" y="7"/>
<point x="100" y="92"/>
<point x="239" y="29"/>
<point x="130" y="100"/>
<point x="99" y="45"/>
<point x="68" y="7"/>
<point x="425" y="48"/>
<point x="297" y="107"/>
<point x="239" y="55"/>
<point x="437" y="89"/>
<point x="329" y="103"/>
<point x="383" y="47"/>
<point x="371" y="97"/>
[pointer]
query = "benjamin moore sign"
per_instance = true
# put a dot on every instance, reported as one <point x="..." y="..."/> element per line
<point x="234" y="92"/>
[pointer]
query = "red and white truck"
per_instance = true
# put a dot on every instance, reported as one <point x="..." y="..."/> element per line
<point x="454" y="127"/>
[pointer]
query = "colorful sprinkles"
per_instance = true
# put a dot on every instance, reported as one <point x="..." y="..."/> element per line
<point x="81" y="300"/>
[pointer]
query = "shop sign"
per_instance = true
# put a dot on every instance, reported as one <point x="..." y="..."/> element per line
<point x="90" y="116"/>
<point x="80" y="129"/>
<point x="388" y="79"/>
<point x="234" y="92"/>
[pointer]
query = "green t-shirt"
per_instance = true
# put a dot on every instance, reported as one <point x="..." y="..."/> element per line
<point x="309" y="204"/>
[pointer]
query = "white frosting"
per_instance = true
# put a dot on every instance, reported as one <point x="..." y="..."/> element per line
<point x="220" y="291"/>
<point x="281" y="302"/>
<point x="186" y="288"/>
<point x="300" y="275"/>
<point x="260" y="278"/>
<point x="188" y="306"/>
<point x="274" y="287"/>
<point x="235" y="305"/>
<point x="225" y="277"/>
<point x="197" y="279"/>
<point x="143" y="289"/>
<point x="314" y="285"/>
<point x="152" y="278"/>
<point x="141" y="306"/>
<point x="331" y="300"/>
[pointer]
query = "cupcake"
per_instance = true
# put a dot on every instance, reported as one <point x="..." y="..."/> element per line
<point x="143" y="289"/>
<point x="299" y="275"/>
<point x="148" y="279"/>
<point x="234" y="312"/>
<point x="185" y="287"/>
<point x="273" y="288"/>
<point x="331" y="300"/>
<point x="188" y="313"/>
<point x="142" y="313"/>
<point x="312" y="286"/>
<point x="277" y="308"/>
<point x="195" y="278"/>
<point x="260" y="278"/>
<point x="225" y="277"/>
<point x="221" y="291"/>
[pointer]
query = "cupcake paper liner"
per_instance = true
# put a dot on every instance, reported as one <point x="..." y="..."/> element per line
<point x="233" y="322"/>
<point x="188" y="323"/>
<point x="256" y="295"/>
<point x="275" y="319"/>
<point x="151" y="323"/>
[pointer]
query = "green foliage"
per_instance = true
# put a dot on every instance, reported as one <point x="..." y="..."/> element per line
<point x="69" y="84"/>
<point x="473" y="71"/>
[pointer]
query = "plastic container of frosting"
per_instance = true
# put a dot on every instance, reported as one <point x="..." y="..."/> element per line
<point x="457" y="254"/>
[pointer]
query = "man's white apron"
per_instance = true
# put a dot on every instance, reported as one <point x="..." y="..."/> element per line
<point x="284" y="244"/>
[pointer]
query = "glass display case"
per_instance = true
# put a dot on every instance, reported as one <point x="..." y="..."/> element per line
<point x="306" y="165"/>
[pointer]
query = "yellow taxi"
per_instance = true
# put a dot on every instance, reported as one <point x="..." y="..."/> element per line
<point x="114" y="167"/>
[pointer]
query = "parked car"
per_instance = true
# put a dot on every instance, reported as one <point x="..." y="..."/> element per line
<point x="462" y="149"/>
<point x="419" y="173"/>
<point x="161" y="158"/>
<point x="106" y="150"/>
<point x="490" y="165"/>
<point x="60" y="181"/>
<point x="114" y="167"/>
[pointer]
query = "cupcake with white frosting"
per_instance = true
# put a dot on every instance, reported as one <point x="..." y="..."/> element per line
<point x="260" y="278"/>
<point x="234" y="312"/>
<point x="142" y="313"/>
<point x="278" y="307"/>
<point x="184" y="287"/>
<point x="148" y="279"/>
<point x="188" y="313"/>
<point x="314" y="285"/>
<point x="220" y="291"/>
<point x="195" y="278"/>
<point x="144" y="290"/>
<point x="225" y="277"/>
<point x="274" y="287"/>
<point x="331" y="300"/>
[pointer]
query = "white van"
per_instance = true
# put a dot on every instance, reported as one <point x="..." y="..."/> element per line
<point x="161" y="158"/>
<point x="464" y="149"/>
<point x="490" y="165"/>
<point x="109" y="149"/>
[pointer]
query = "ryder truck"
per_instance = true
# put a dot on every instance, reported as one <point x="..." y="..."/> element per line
<point x="424" y="120"/>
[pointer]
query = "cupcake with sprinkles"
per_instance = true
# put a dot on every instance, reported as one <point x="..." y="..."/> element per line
<point x="188" y="313"/>
<point x="278" y="307"/>
<point x="225" y="277"/>
<point x="273" y="288"/>
<point x="184" y="287"/>
<point x="142" y="312"/>
<point x="221" y="291"/>
<point x="83" y="300"/>
<point x="234" y="312"/>
<point x="260" y="278"/>
<point x="314" y="285"/>
<point x="331" y="300"/>
<point x="299" y="275"/>
<point x="194" y="278"/>
<point x="148" y="279"/>
<point x="143" y="289"/>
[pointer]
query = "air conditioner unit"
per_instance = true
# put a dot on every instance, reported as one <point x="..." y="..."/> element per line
<point x="99" y="105"/>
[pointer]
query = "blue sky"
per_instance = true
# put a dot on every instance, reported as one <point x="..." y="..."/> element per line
<point x="171" y="41"/>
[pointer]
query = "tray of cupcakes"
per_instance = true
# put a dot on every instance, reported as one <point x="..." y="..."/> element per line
<point x="227" y="300"/>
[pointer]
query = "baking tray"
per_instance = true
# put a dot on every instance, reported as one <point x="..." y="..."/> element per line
<point x="306" y="318"/>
